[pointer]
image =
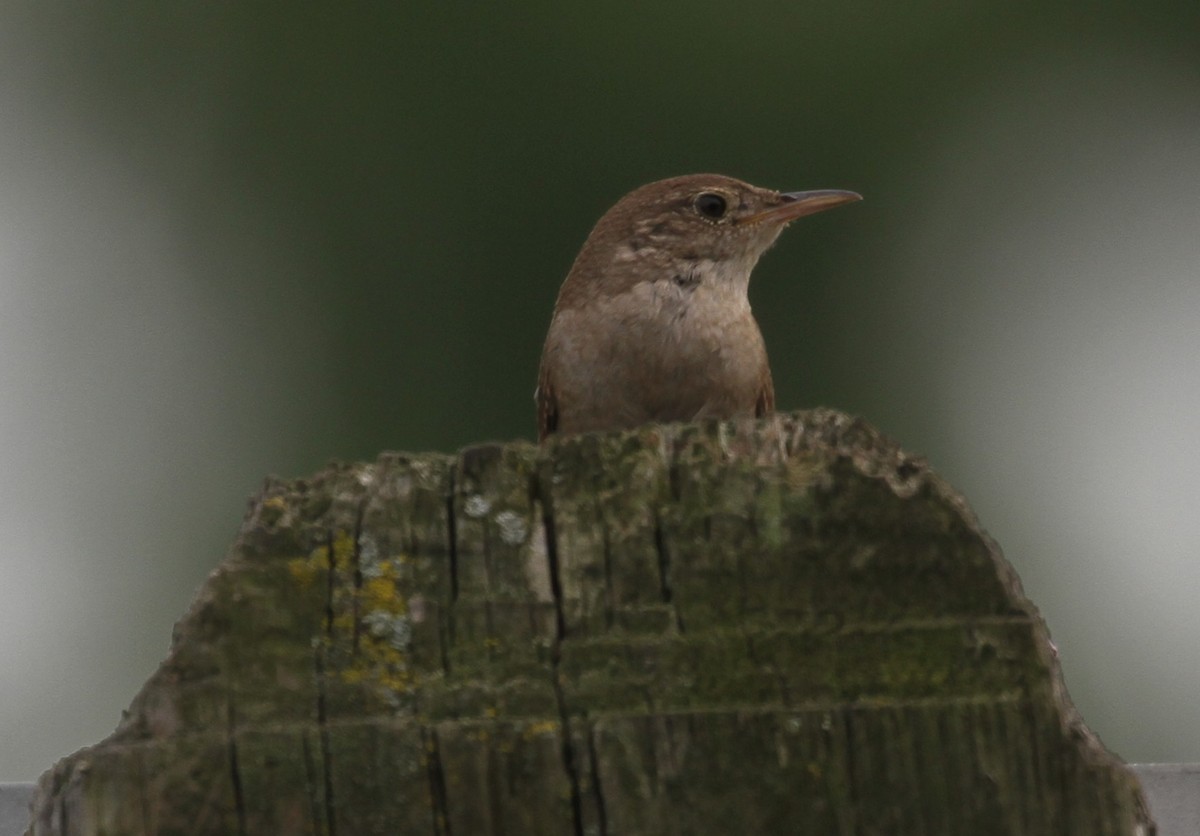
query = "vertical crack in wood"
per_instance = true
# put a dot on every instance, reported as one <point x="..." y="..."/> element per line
<point x="560" y="624"/>
<point x="438" y="802"/>
<point x="235" y="777"/>
<point x="560" y="634"/>
<point x="356" y="565"/>
<point x="664" y="572"/>
<point x="452" y="536"/>
<point x="322" y="697"/>
<point x="446" y="620"/>
<point x="330" y="584"/>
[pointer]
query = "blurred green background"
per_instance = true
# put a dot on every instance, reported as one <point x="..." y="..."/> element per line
<point x="240" y="239"/>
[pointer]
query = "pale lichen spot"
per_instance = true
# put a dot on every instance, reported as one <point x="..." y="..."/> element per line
<point x="425" y="469"/>
<point x="513" y="528"/>
<point x="417" y="609"/>
<point x="390" y="627"/>
<point x="402" y="486"/>
<point x="476" y="506"/>
<point x="365" y="476"/>
<point x="368" y="550"/>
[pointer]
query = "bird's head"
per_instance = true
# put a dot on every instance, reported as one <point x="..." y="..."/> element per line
<point x="707" y="222"/>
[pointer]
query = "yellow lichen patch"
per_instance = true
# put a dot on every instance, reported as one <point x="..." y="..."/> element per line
<point x="272" y="511"/>
<point x="343" y="549"/>
<point x="381" y="657"/>
<point x="368" y="635"/>
<point x="381" y="663"/>
<point x="306" y="570"/>
<point x="381" y="593"/>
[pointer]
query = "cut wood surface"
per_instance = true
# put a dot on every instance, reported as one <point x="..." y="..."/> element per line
<point x="785" y="626"/>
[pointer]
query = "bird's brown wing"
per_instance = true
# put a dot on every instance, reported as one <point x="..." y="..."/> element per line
<point x="765" y="404"/>
<point x="547" y="406"/>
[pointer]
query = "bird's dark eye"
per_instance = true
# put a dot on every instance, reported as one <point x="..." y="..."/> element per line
<point x="710" y="205"/>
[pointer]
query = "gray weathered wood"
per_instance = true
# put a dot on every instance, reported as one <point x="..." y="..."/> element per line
<point x="786" y="626"/>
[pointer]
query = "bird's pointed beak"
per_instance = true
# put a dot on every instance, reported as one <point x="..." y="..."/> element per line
<point x="798" y="204"/>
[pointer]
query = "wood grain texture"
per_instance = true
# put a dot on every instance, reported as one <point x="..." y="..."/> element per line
<point x="776" y="626"/>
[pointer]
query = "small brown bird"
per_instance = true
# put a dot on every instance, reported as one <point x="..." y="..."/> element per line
<point x="653" y="322"/>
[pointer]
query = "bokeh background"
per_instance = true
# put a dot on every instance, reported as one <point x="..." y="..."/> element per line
<point x="246" y="238"/>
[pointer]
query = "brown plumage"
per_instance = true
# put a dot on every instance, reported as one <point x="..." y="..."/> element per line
<point x="653" y="322"/>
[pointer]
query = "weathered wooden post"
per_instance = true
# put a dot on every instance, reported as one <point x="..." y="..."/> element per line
<point x="786" y="626"/>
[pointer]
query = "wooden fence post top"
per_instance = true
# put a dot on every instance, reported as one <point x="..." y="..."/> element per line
<point x="776" y="626"/>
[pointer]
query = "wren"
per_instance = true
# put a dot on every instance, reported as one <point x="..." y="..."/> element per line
<point x="653" y="322"/>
